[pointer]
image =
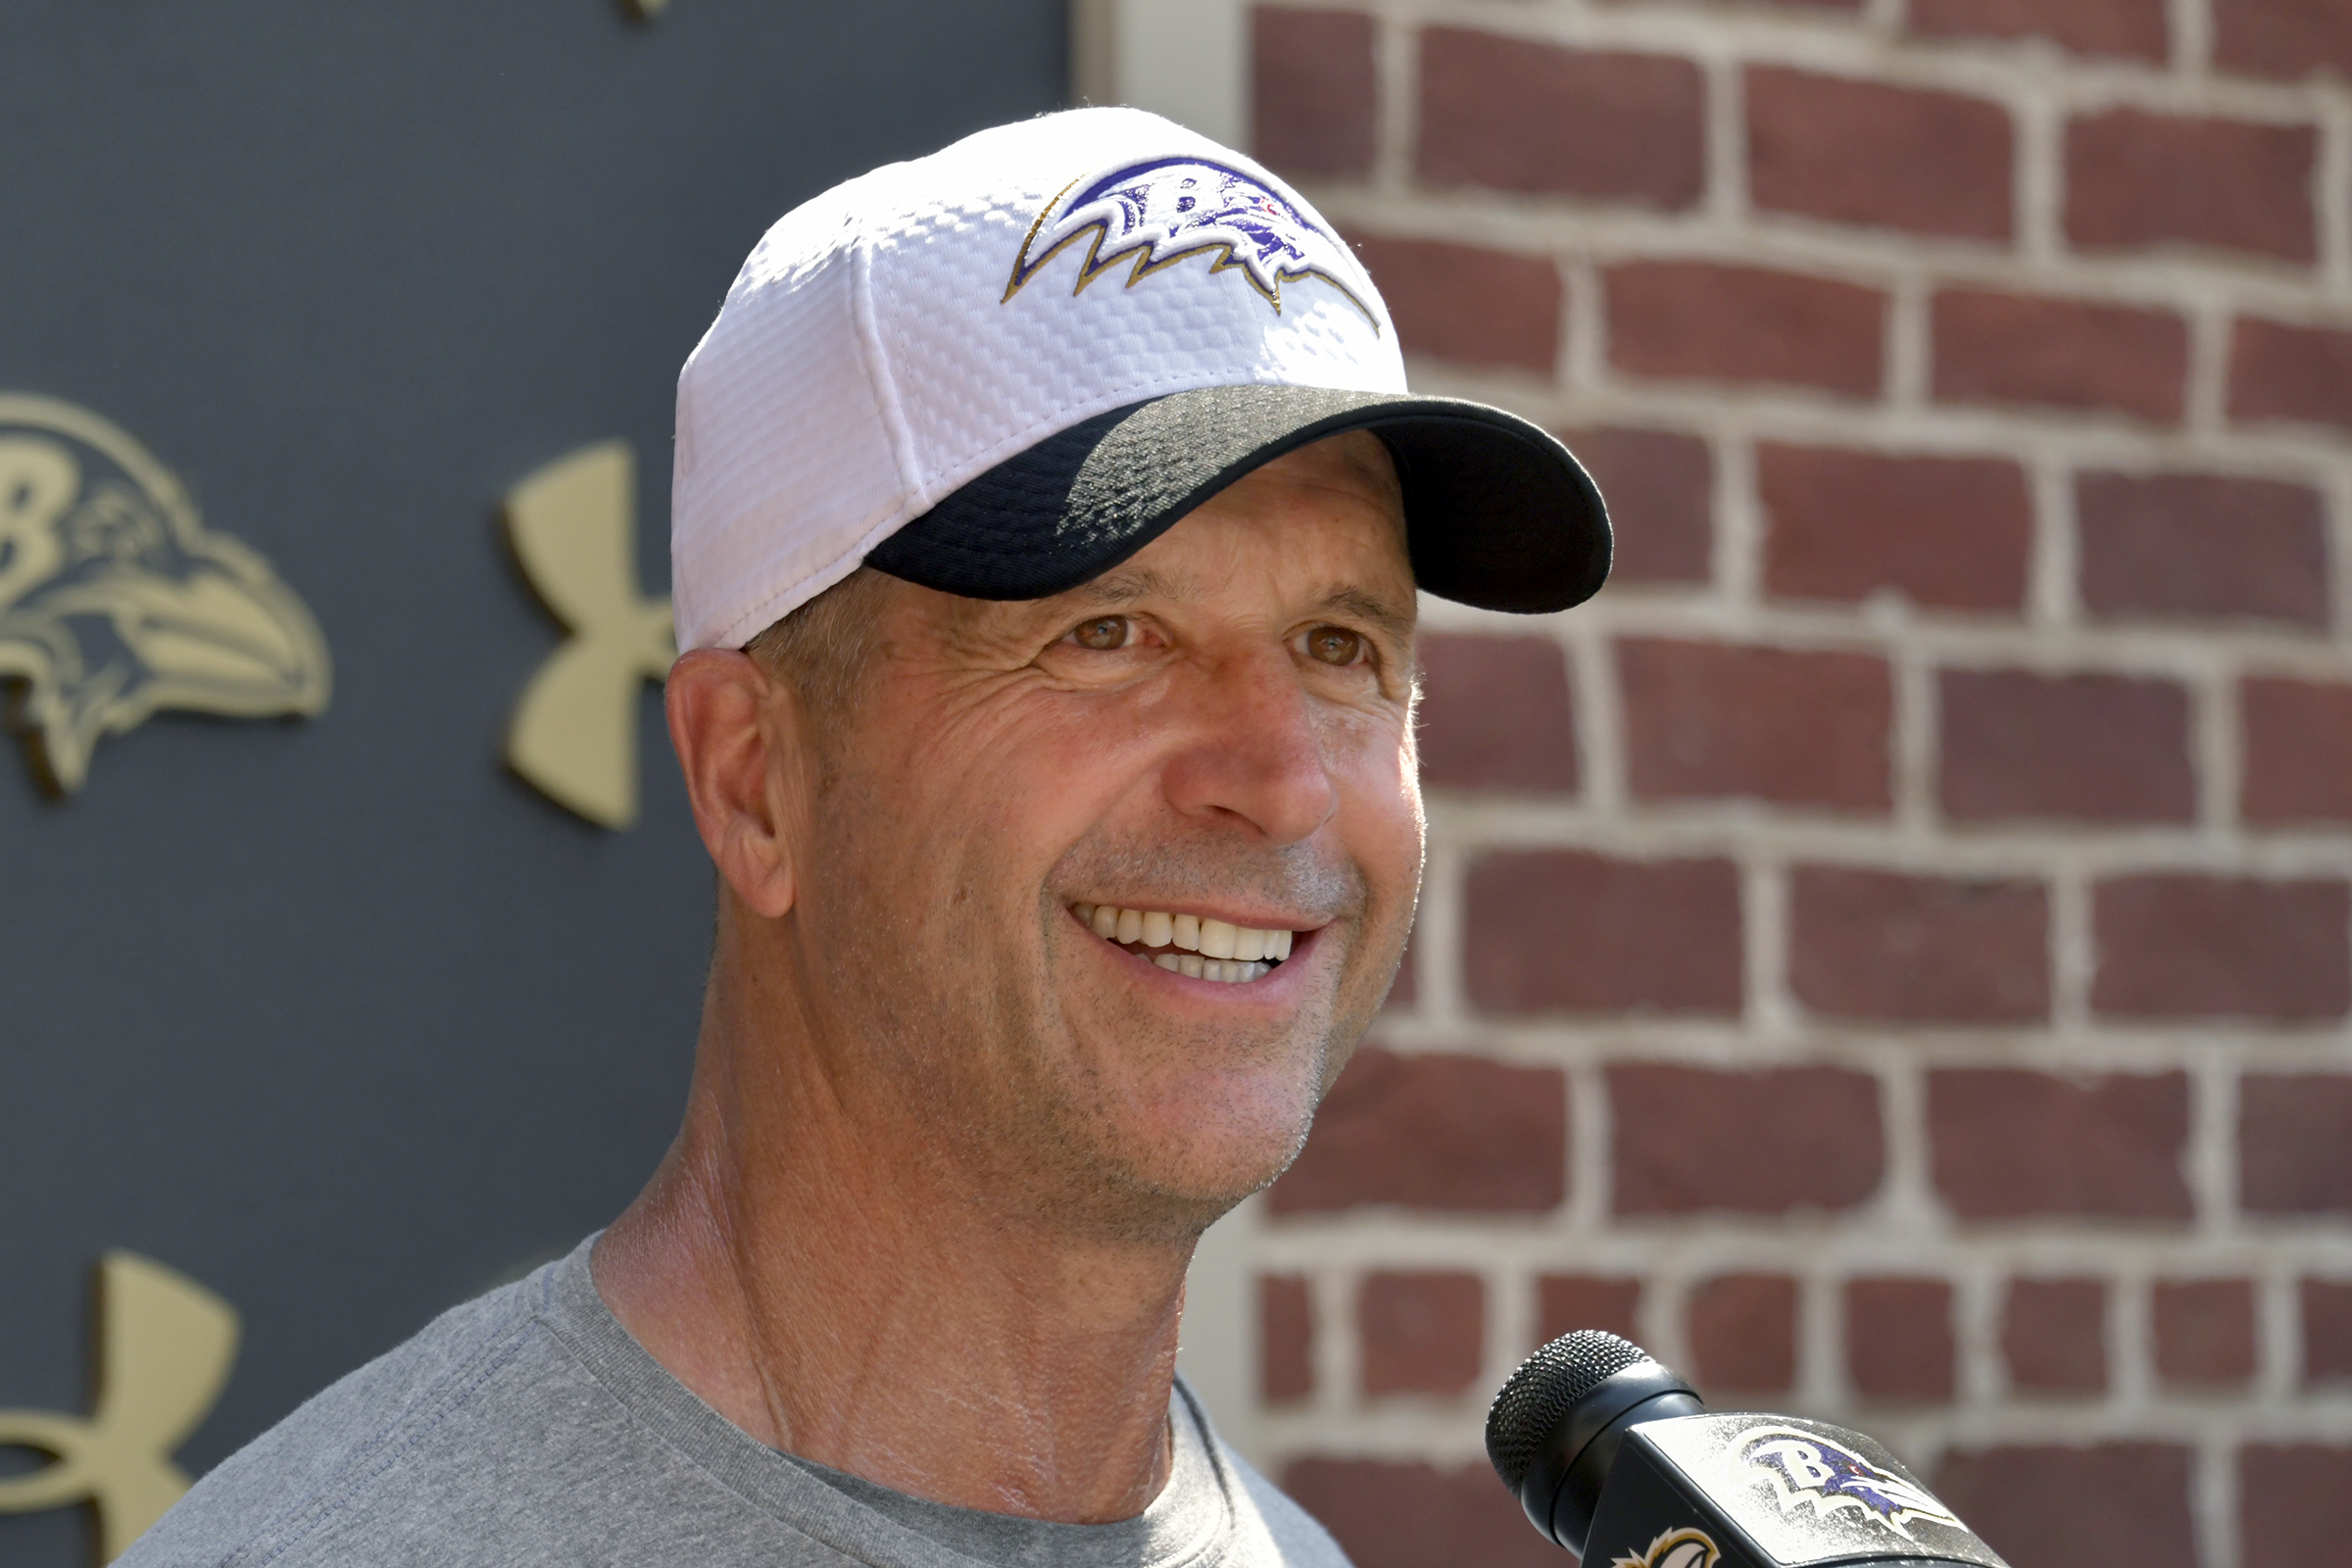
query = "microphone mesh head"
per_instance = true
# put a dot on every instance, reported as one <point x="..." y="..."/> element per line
<point x="1541" y="1391"/>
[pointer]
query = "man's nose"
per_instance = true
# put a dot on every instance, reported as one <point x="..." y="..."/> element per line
<point x="1255" y="754"/>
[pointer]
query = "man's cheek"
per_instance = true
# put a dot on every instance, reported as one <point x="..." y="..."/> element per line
<point x="1384" y="831"/>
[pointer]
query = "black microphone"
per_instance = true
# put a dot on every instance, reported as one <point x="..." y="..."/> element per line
<point x="1614" y="1457"/>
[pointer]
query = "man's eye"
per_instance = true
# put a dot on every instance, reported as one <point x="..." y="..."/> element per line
<point x="1102" y="635"/>
<point x="1335" y="645"/>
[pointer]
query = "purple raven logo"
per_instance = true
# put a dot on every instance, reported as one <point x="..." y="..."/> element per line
<point x="1155" y="215"/>
<point x="1805" y="1467"/>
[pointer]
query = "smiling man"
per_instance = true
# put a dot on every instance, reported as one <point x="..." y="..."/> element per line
<point x="1048" y="523"/>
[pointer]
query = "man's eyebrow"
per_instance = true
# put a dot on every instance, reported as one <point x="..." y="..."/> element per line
<point x="1147" y="582"/>
<point x="1126" y="587"/>
<point x="1397" y="623"/>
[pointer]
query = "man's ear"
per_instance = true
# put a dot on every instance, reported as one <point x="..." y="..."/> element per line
<point x="737" y="732"/>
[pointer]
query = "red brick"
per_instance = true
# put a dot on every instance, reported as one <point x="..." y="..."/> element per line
<point x="1706" y="322"/>
<point x="2326" y="1307"/>
<point x="1809" y="1138"/>
<point x="2007" y="1143"/>
<point x="1713" y="720"/>
<point x="2135" y="29"/>
<point x="1660" y="488"/>
<point x="2204" y="1331"/>
<point x="2202" y="545"/>
<point x="1742" y="1332"/>
<point x="2072" y="354"/>
<point x="2298" y="751"/>
<point x="1953" y="533"/>
<point x="2282" y="37"/>
<point x="1566" y="1302"/>
<point x="1286" y="1339"/>
<point x="2054" y="1335"/>
<point x="1863" y="152"/>
<point x="2301" y="375"/>
<point x="1918" y="948"/>
<point x="1462" y="302"/>
<point x="2295" y="1504"/>
<point x="2115" y="1505"/>
<point x="2135" y="179"/>
<point x="1494" y="714"/>
<point x="1438" y="1132"/>
<point x="1898" y="1340"/>
<point x="1421" y="1333"/>
<point x="1387" y="1514"/>
<point x="1562" y="931"/>
<point x="2210" y="946"/>
<point x="2294" y="1143"/>
<point x="1510" y="113"/>
<point x="2017" y="745"/>
<point x="1313" y="91"/>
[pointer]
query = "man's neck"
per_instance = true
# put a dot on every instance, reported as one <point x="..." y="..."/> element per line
<point x="854" y="1304"/>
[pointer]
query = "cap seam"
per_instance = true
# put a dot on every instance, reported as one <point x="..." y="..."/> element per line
<point x="760" y="612"/>
<point x="878" y="373"/>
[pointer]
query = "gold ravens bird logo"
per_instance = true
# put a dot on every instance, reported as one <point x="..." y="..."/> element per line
<point x="115" y="600"/>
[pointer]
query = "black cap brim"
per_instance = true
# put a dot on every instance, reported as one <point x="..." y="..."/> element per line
<point x="1498" y="514"/>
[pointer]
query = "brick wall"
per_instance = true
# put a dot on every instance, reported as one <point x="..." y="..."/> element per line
<point x="1888" y="952"/>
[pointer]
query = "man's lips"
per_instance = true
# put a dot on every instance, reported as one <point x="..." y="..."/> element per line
<point x="1200" y="947"/>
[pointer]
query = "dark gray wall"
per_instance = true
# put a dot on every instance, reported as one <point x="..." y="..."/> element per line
<point x="338" y="1017"/>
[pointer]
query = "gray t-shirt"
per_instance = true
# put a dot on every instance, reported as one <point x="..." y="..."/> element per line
<point x="528" y="1427"/>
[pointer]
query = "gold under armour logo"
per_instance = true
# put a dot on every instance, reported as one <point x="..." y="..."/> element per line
<point x="573" y="528"/>
<point x="115" y="600"/>
<point x="165" y="1344"/>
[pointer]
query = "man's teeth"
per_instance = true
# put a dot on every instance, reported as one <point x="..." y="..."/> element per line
<point x="1209" y="950"/>
<point x="1229" y="971"/>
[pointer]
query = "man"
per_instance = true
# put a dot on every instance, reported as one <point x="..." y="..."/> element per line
<point x="1046" y="524"/>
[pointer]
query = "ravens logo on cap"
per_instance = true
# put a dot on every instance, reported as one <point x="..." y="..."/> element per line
<point x="115" y="600"/>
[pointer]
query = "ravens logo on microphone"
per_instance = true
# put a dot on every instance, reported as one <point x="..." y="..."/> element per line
<point x="1808" y="1467"/>
<point x="115" y="600"/>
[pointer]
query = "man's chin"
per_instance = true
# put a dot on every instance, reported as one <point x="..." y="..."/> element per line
<point x="1163" y="1185"/>
<point x="1183" y="1123"/>
<point x="1202" y="1176"/>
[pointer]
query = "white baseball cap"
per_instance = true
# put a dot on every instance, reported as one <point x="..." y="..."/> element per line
<point x="1003" y="368"/>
